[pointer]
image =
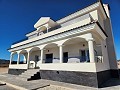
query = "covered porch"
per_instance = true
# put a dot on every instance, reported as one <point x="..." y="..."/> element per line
<point x="80" y="50"/>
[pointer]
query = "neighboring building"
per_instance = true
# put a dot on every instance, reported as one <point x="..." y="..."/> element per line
<point x="76" y="49"/>
<point x="118" y="62"/>
<point x="4" y="63"/>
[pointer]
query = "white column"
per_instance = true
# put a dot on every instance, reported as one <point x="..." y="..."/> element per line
<point x="11" y="57"/>
<point x="91" y="50"/>
<point x="24" y="59"/>
<point x="42" y="55"/>
<point x="18" y="60"/>
<point x="61" y="53"/>
<point x="28" y="59"/>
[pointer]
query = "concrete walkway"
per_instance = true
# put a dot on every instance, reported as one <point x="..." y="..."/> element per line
<point x="6" y="87"/>
<point x="18" y="84"/>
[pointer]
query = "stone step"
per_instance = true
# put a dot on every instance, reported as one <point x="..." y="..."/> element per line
<point x="26" y="76"/>
<point x="30" y="74"/>
<point x="21" y="78"/>
<point x="33" y="70"/>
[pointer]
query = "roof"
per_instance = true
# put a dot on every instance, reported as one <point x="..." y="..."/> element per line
<point x="42" y="21"/>
<point x="45" y="20"/>
<point x="94" y="22"/>
<point x="82" y="11"/>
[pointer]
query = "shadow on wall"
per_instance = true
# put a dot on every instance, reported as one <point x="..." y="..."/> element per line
<point x="112" y="82"/>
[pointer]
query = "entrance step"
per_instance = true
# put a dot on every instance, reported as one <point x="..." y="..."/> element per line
<point x="30" y="74"/>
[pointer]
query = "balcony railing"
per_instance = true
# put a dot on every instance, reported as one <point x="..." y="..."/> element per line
<point x="77" y="59"/>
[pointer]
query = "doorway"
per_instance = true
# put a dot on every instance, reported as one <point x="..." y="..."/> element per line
<point x="83" y="56"/>
<point x="49" y="58"/>
<point x="65" y="57"/>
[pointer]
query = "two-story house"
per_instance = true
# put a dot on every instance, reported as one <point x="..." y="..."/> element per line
<point x="77" y="49"/>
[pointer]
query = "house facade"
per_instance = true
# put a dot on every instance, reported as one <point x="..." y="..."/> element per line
<point x="76" y="49"/>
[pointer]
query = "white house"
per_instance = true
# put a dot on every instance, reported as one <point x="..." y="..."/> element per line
<point x="76" y="49"/>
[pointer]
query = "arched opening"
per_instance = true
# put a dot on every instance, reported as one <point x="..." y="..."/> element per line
<point x="75" y="50"/>
<point x="14" y="58"/>
<point x="51" y="53"/>
<point x="34" y="57"/>
<point x="42" y="30"/>
<point x="99" y="48"/>
<point x="23" y="57"/>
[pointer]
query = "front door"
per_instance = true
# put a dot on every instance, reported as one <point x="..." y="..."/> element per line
<point x="65" y="57"/>
<point x="49" y="58"/>
<point x="83" y="56"/>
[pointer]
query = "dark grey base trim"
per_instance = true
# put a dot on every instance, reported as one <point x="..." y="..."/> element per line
<point x="16" y="71"/>
<point x="115" y="73"/>
<point x="92" y="79"/>
<point x="80" y="78"/>
<point x="102" y="77"/>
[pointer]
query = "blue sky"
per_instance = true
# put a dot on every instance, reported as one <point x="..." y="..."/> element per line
<point x="17" y="18"/>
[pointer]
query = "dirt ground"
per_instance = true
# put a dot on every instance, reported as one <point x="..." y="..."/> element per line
<point x="3" y="70"/>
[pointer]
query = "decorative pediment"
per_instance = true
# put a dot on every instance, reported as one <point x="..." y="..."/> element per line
<point x="45" y="21"/>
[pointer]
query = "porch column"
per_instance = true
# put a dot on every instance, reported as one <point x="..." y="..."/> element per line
<point x="91" y="50"/>
<point x="28" y="59"/>
<point x="24" y="59"/>
<point x="61" y="53"/>
<point x="11" y="57"/>
<point x="18" y="60"/>
<point x="42" y="55"/>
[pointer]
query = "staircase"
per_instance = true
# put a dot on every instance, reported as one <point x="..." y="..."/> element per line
<point x="30" y="74"/>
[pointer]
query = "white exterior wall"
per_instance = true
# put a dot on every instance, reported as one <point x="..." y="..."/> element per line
<point x="55" y="52"/>
<point x="74" y="51"/>
<point x="105" y="65"/>
<point x="101" y="20"/>
<point x="33" y="54"/>
<point x="110" y="40"/>
<point x="98" y="49"/>
<point x="19" y="66"/>
<point x="80" y="67"/>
